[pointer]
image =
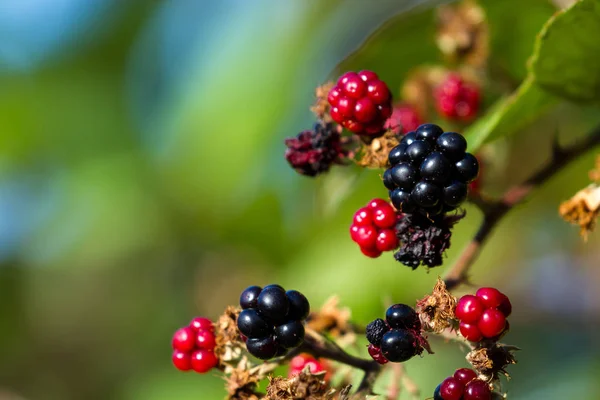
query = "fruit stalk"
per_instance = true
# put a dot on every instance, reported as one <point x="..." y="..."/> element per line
<point x="495" y="210"/>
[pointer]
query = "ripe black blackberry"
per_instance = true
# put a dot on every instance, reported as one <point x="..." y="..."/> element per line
<point x="398" y="338"/>
<point x="313" y="152"/>
<point x="272" y="320"/>
<point x="429" y="171"/>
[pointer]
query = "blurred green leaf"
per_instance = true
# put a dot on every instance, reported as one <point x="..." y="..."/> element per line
<point x="566" y="59"/>
<point x="401" y="44"/>
<point x="512" y="39"/>
<point x="510" y="114"/>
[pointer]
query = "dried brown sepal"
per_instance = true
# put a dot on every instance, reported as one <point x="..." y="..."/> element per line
<point x="492" y="359"/>
<point x="321" y="106"/>
<point x="242" y="379"/>
<point x="304" y="386"/>
<point x="463" y="34"/>
<point x="375" y="154"/>
<point x="436" y="310"/>
<point x="582" y="209"/>
<point x="333" y="320"/>
<point x="227" y="337"/>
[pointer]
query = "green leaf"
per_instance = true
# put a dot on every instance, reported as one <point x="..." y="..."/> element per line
<point x="512" y="37"/>
<point x="510" y="114"/>
<point x="566" y="59"/>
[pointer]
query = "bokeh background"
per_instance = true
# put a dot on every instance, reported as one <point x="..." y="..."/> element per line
<point x="142" y="182"/>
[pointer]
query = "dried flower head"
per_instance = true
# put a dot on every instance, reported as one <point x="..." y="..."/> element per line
<point x="436" y="310"/>
<point x="305" y="386"/>
<point x="491" y="360"/>
<point x="313" y="152"/>
<point x="321" y="106"/>
<point x="424" y="240"/>
<point x="582" y="209"/>
<point x="227" y="337"/>
<point x="375" y="154"/>
<point x="242" y="379"/>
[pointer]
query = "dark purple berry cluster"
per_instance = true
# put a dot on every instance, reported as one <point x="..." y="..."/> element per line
<point x="429" y="172"/>
<point x="398" y="338"/>
<point x="271" y="320"/>
<point x="312" y="152"/>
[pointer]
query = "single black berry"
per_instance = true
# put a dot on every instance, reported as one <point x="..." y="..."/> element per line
<point x="453" y="145"/>
<point x="399" y="345"/>
<point x="402" y="316"/>
<point x="264" y="348"/>
<point x="290" y="334"/>
<point x="404" y="175"/>
<point x="375" y="331"/>
<point x="417" y="151"/>
<point x="437" y="394"/>
<point x="402" y="201"/>
<point x="253" y="325"/>
<point x="455" y="194"/>
<point x="426" y="194"/>
<point x="273" y="304"/>
<point x="398" y="154"/>
<point x="409" y="138"/>
<point x="248" y="298"/>
<point x="387" y="179"/>
<point x="467" y="168"/>
<point x="299" y="305"/>
<point x="429" y="133"/>
<point x="436" y="168"/>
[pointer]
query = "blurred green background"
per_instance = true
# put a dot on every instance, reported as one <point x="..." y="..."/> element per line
<point x="142" y="182"/>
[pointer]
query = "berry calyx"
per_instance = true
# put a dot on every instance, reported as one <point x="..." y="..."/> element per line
<point x="184" y="339"/>
<point x="376" y="354"/>
<point x="203" y="361"/>
<point x="361" y="103"/>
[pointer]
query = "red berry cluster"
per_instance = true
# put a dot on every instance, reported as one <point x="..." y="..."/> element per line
<point x="404" y="118"/>
<point x="298" y="363"/>
<point x="457" y="99"/>
<point x="361" y="103"/>
<point x="193" y="346"/>
<point x="373" y="228"/>
<point x="463" y="385"/>
<point x="483" y="316"/>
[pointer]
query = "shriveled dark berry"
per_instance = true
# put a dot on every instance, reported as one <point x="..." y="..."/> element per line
<point x="426" y="194"/>
<point x="402" y="201"/>
<point x="299" y="305"/>
<point x="453" y="145"/>
<point x="388" y="182"/>
<point x="417" y="151"/>
<point x="264" y="348"/>
<point x="273" y="304"/>
<point x="253" y="325"/>
<point x="402" y="316"/>
<point x="375" y="331"/>
<point x="436" y="168"/>
<point x="429" y="133"/>
<point x="248" y="298"/>
<point x="290" y="334"/>
<point x="398" y="154"/>
<point x="399" y="345"/>
<point x="404" y="175"/>
<point x="455" y="194"/>
<point x="467" y="168"/>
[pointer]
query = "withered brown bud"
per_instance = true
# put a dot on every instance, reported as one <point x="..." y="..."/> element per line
<point x="491" y="360"/>
<point x="436" y="310"/>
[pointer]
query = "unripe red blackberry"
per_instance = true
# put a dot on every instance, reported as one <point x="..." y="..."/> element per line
<point x="457" y="99"/>
<point x="429" y="171"/>
<point x="301" y="361"/>
<point x="193" y="346"/>
<point x="372" y="228"/>
<point x="483" y="316"/>
<point x="361" y="103"/>
<point x="313" y="152"/>
<point x="463" y="385"/>
<point x="404" y="118"/>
